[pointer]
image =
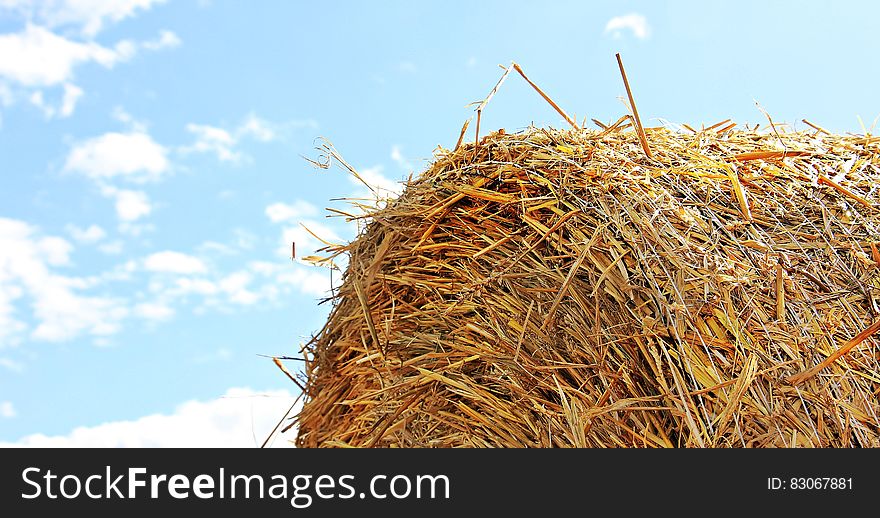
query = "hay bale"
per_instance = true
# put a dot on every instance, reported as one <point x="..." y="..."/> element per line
<point x="560" y="288"/>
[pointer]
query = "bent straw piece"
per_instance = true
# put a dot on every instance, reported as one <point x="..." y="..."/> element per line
<point x="616" y="126"/>
<point x="632" y="104"/>
<point x="484" y="103"/>
<point x="546" y="97"/>
<point x="780" y="293"/>
<point x="362" y="299"/>
<point x="740" y="194"/>
<point x="717" y="124"/>
<point x="768" y="155"/>
<point x="461" y="135"/>
<point x="816" y="127"/>
<point x="491" y="247"/>
<point x="824" y="180"/>
<point x="799" y="378"/>
<point x="287" y="373"/>
<point x="568" y="278"/>
<point x="726" y="128"/>
<point x="283" y="417"/>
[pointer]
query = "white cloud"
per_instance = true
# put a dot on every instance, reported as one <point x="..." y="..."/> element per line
<point x="313" y="281"/>
<point x="7" y="411"/>
<point x="258" y="282"/>
<point x="235" y="285"/>
<point x="37" y="100"/>
<point x="126" y="118"/>
<point x="634" y="22"/>
<point x="223" y="143"/>
<point x="65" y="315"/>
<point x="264" y="267"/>
<point x="134" y="156"/>
<point x="278" y="212"/>
<point x="89" y="16"/>
<point x="10" y="327"/>
<point x="90" y="235"/>
<point x="71" y="96"/>
<point x="60" y="311"/>
<point x="55" y="250"/>
<point x="210" y="139"/>
<point x="37" y="57"/>
<point x="11" y="365"/>
<point x="244" y="239"/>
<point x="130" y="205"/>
<point x="374" y="177"/>
<point x="155" y="311"/>
<point x="112" y="248"/>
<point x="257" y="128"/>
<point x="241" y="418"/>
<point x="186" y="286"/>
<point x="305" y="242"/>
<point x="216" y="248"/>
<point x="72" y="93"/>
<point x="5" y="95"/>
<point x="174" y="262"/>
<point x="166" y="40"/>
<point x="400" y="160"/>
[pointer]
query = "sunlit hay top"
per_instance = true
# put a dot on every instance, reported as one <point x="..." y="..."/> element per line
<point x="560" y="288"/>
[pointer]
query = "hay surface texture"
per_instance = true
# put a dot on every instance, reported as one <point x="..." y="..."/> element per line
<point x="560" y="288"/>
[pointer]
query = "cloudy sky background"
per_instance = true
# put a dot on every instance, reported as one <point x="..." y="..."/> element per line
<point x="153" y="179"/>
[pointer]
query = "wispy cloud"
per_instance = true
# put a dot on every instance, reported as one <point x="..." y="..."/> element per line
<point x="11" y="365"/>
<point x="376" y="179"/>
<point x="170" y="261"/>
<point x="134" y="156"/>
<point x="153" y="311"/>
<point x="278" y="212"/>
<point x="636" y="23"/>
<point x="59" y="308"/>
<point x="112" y="248"/>
<point x="302" y="234"/>
<point x="36" y="59"/>
<point x="87" y="16"/>
<point x="242" y="417"/>
<point x="72" y="93"/>
<point x="211" y="139"/>
<point x="166" y="40"/>
<point x="70" y="97"/>
<point x="400" y="160"/>
<point x="224" y="143"/>
<point x="130" y="205"/>
<point x="39" y="303"/>
<point x="7" y="410"/>
<point x="89" y="235"/>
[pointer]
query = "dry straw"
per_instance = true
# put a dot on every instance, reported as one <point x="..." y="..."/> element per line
<point x="609" y="288"/>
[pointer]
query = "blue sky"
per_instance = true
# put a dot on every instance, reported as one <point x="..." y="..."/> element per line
<point x="152" y="171"/>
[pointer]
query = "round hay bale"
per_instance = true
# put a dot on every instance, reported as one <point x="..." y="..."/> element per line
<point x="560" y="288"/>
